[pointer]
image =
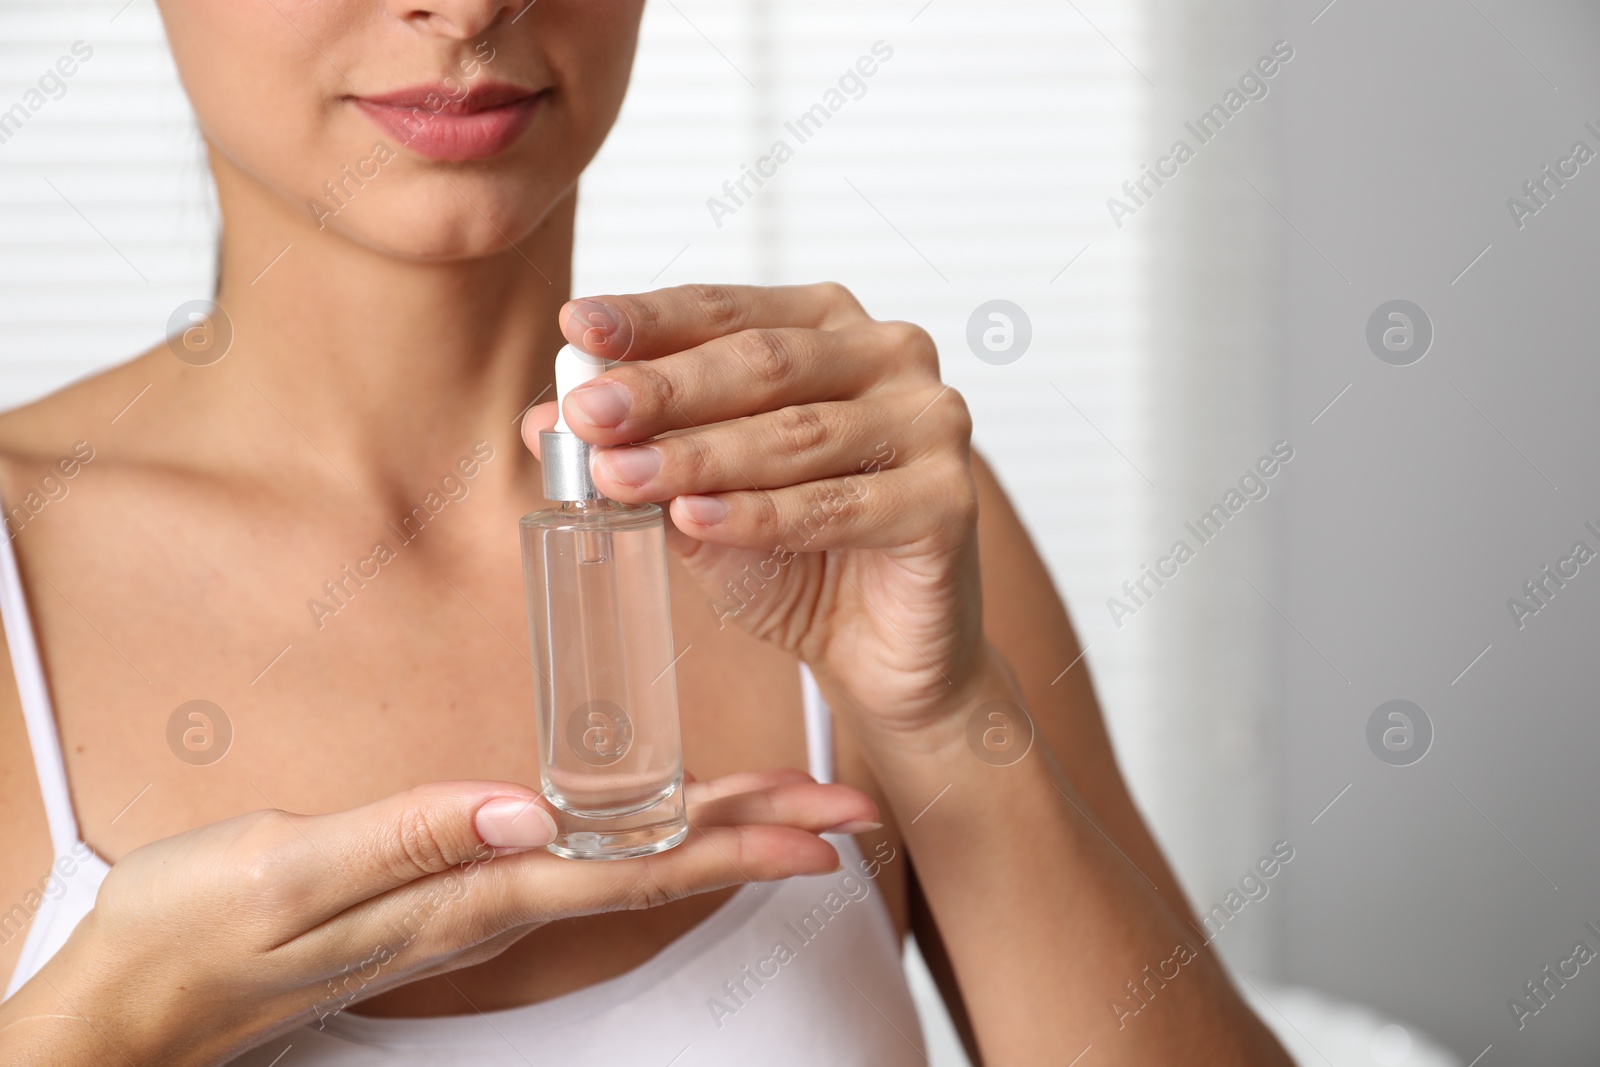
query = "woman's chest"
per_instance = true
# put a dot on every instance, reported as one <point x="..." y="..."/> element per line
<point x="201" y="678"/>
<point x="196" y="682"/>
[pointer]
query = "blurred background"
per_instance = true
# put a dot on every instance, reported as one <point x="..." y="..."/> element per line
<point x="1345" y="262"/>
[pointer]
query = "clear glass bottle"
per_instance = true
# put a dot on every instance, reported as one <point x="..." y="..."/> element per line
<point x="611" y="759"/>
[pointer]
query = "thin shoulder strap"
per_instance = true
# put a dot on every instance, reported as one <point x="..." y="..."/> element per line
<point x="35" y="698"/>
<point x="819" y="727"/>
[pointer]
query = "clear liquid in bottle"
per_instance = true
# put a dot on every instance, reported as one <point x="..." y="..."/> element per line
<point x="604" y="673"/>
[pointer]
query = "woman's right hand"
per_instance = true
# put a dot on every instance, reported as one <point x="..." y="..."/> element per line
<point x="213" y="941"/>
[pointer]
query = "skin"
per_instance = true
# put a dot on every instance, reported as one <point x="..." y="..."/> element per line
<point x="421" y="319"/>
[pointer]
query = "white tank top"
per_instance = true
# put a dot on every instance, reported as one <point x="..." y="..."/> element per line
<point x="805" y="971"/>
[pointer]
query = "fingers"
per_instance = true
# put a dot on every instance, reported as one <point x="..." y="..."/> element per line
<point x="712" y="857"/>
<point x="737" y="836"/>
<point x="795" y="475"/>
<point x="885" y="510"/>
<point x="435" y="828"/>
<point x="803" y="804"/>
<point x="537" y="418"/>
<point x="728" y="377"/>
<point x="448" y="914"/>
<point x="371" y="850"/>
<point x="697" y="792"/>
<point x="766" y="451"/>
<point x="648" y="325"/>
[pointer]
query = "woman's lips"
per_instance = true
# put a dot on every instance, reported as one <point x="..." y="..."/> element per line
<point x="444" y="123"/>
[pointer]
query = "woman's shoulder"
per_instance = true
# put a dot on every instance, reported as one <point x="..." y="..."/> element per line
<point x="50" y="439"/>
<point x="46" y="447"/>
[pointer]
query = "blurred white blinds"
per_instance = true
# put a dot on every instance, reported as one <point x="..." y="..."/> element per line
<point x="105" y="223"/>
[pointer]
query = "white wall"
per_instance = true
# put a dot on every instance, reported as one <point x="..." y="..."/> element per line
<point x="1423" y="505"/>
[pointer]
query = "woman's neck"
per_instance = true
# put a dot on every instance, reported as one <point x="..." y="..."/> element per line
<point x="388" y="365"/>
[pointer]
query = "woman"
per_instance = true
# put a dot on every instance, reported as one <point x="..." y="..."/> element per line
<point x="397" y="190"/>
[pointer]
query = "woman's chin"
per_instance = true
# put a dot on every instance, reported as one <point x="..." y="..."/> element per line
<point x="429" y="237"/>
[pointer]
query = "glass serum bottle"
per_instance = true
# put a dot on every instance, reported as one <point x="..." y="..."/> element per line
<point x="606" y="692"/>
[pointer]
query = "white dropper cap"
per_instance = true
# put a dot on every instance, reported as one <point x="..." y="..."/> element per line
<point x="573" y="368"/>
<point x="564" y="455"/>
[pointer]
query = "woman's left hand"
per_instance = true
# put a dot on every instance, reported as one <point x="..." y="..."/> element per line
<point x="818" y="473"/>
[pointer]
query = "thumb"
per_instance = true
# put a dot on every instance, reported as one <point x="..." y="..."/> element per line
<point x="536" y="418"/>
<point x="424" y="831"/>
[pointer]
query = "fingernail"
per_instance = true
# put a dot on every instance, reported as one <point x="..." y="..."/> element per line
<point x="513" y="823"/>
<point x="603" y="327"/>
<point x="602" y="404"/>
<point x="705" y="510"/>
<point x="595" y="317"/>
<point x="631" y="466"/>
<point x="855" y="826"/>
